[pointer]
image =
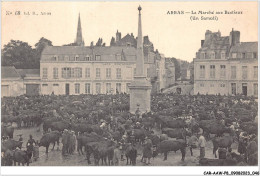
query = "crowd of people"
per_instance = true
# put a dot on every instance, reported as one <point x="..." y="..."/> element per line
<point x="107" y="116"/>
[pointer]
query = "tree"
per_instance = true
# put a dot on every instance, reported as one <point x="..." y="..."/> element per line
<point x="112" y="42"/>
<point x="18" y="53"/>
<point x="177" y="67"/>
<point x="39" y="47"/>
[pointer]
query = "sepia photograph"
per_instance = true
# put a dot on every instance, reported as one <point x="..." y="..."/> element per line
<point x="129" y="84"/>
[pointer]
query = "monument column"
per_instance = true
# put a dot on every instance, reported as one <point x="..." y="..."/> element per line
<point x="140" y="87"/>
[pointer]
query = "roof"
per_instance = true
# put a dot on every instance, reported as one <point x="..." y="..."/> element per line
<point x="52" y="50"/>
<point x="9" y="72"/>
<point x="28" y="72"/>
<point x="129" y="52"/>
<point x="245" y="47"/>
<point x="219" y="43"/>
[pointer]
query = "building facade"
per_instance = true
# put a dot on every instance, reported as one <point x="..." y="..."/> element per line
<point x="110" y="69"/>
<point x="226" y="66"/>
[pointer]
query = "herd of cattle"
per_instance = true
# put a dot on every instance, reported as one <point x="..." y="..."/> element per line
<point x="94" y="125"/>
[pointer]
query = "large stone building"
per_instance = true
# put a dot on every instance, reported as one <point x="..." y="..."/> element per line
<point x="97" y="69"/>
<point x="226" y="66"/>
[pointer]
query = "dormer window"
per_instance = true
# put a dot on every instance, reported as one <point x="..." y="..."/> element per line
<point x="55" y="58"/>
<point x="203" y="55"/>
<point x="223" y="55"/>
<point x="254" y="55"/>
<point x="212" y="56"/>
<point x="87" y="58"/>
<point x="77" y="57"/>
<point x="66" y="58"/>
<point x="118" y="57"/>
<point x="98" y="58"/>
<point x="128" y="44"/>
<point x="243" y="55"/>
<point x="234" y="55"/>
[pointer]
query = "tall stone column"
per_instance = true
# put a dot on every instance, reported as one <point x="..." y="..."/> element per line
<point x="140" y="87"/>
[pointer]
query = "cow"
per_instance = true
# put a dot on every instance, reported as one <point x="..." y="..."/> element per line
<point x="11" y="145"/>
<point x="21" y="156"/>
<point x="7" y="158"/>
<point x="131" y="154"/>
<point x="221" y="142"/>
<point x="172" y="145"/>
<point x="48" y="138"/>
<point x="211" y="162"/>
<point x="249" y="127"/>
<point x="7" y="131"/>
<point x="178" y="133"/>
<point x="252" y="153"/>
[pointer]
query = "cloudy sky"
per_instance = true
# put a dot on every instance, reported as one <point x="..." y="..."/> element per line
<point x="173" y="35"/>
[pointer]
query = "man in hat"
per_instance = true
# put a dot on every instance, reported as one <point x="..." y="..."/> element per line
<point x="30" y="146"/>
<point x="116" y="158"/>
<point x="202" y="145"/>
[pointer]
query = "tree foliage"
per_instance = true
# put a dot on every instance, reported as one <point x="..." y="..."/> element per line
<point x="21" y="55"/>
<point x="177" y="67"/>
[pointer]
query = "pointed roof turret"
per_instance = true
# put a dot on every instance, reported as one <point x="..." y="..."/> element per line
<point x="79" y="39"/>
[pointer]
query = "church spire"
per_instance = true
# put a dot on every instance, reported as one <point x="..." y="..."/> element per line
<point x="140" y="53"/>
<point x="79" y="39"/>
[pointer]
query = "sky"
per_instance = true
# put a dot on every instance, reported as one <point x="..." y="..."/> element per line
<point x="173" y="35"/>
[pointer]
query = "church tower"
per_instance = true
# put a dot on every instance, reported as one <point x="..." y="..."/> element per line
<point x="79" y="40"/>
<point x="140" y="87"/>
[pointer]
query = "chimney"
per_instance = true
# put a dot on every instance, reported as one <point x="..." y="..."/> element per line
<point x="118" y="36"/>
<point x="234" y="37"/>
<point x="202" y="42"/>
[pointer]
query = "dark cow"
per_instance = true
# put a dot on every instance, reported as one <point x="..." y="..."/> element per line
<point x="252" y="154"/>
<point x="249" y="127"/>
<point x="7" y="131"/>
<point x="10" y="144"/>
<point x="131" y="154"/>
<point x="59" y="126"/>
<point x="177" y="123"/>
<point x="221" y="142"/>
<point x="49" y="138"/>
<point x="7" y="159"/>
<point x="21" y="156"/>
<point x="172" y="145"/>
<point x="211" y="162"/>
<point x="178" y="133"/>
<point x="213" y="127"/>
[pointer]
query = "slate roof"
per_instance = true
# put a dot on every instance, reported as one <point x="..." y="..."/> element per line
<point x="110" y="50"/>
<point x="217" y="43"/>
<point x="28" y="72"/>
<point x="9" y="72"/>
<point x="245" y="47"/>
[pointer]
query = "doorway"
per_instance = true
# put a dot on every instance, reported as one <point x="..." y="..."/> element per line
<point x="67" y="89"/>
<point x="244" y="89"/>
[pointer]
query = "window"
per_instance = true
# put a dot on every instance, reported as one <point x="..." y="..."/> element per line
<point x="255" y="71"/>
<point x="87" y="58"/>
<point x="222" y="71"/>
<point x="223" y="55"/>
<point x="87" y="88"/>
<point x="72" y="58"/>
<point x="212" y="71"/>
<point x="108" y="87"/>
<point x="243" y="55"/>
<point x="202" y="71"/>
<point x="77" y="58"/>
<point x="118" y="57"/>
<point x="97" y="72"/>
<point x="55" y="73"/>
<point x="98" y="58"/>
<point x="66" y="58"/>
<point x="44" y="73"/>
<point x="244" y="72"/>
<point x="87" y="72"/>
<point x="55" y="58"/>
<point x="201" y="85"/>
<point x="233" y="88"/>
<point x="55" y="85"/>
<point x="233" y="72"/>
<point x="108" y="72"/>
<point x="234" y="55"/>
<point x="203" y="55"/>
<point x="212" y="56"/>
<point x="254" y="55"/>
<point x="66" y="72"/>
<point x="134" y="71"/>
<point x="98" y="88"/>
<point x="78" y="72"/>
<point x="118" y="87"/>
<point x="222" y="85"/>
<point x="255" y="89"/>
<point x="211" y="85"/>
<point x="44" y="85"/>
<point x="127" y="87"/>
<point x="118" y="73"/>
<point x="77" y="88"/>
